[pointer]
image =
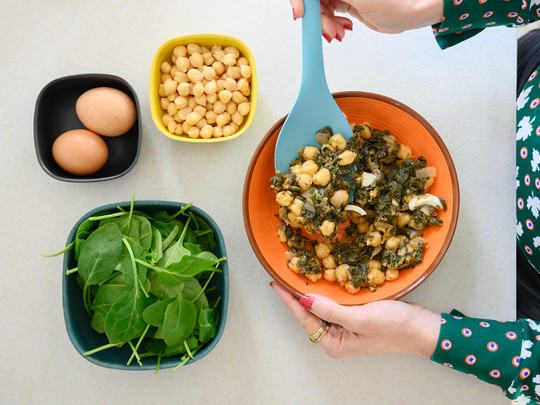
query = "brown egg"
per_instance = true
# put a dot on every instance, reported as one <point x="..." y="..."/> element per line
<point x="80" y="152"/>
<point x="106" y="111"/>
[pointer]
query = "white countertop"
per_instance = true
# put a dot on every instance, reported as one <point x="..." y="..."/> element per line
<point x="467" y="93"/>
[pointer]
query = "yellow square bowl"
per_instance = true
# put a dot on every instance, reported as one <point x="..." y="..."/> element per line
<point x="165" y="53"/>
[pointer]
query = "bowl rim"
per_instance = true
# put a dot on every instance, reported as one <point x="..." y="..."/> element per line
<point x="156" y="110"/>
<point x="157" y="205"/>
<point x="440" y="143"/>
<point x="90" y="77"/>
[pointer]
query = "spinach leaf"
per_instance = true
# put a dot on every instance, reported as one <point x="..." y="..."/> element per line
<point x="188" y="267"/>
<point x="105" y="297"/>
<point x="156" y="247"/>
<point x="154" y="314"/>
<point x="179" y="321"/>
<point x="83" y="231"/>
<point x="124" y="320"/>
<point x="125" y="266"/>
<point x="207" y="325"/>
<point x="99" y="254"/>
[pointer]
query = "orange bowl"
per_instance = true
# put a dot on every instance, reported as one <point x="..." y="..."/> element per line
<point x="408" y="127"/>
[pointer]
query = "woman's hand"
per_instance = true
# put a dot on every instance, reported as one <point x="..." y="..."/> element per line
<point x="389" y="16"/>
<point x="375" y="328"/>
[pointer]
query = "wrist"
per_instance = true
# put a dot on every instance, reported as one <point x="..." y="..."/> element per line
<point x="430" y="12"/>
<point x="425" y="332"/>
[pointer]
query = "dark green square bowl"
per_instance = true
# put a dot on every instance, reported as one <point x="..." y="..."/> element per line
<point x="84" y="338"/>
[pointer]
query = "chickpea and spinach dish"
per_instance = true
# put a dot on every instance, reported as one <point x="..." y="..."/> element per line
<point x="353" y="211"/>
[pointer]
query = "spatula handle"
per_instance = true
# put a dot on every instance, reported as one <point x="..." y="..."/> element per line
<point x="313" y="78"/>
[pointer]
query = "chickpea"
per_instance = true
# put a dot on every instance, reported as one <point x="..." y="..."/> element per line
<point x="193" y="117"/>
<point x="374" y="239"/>
<point x="322" y="250"/>
<point x="164" y="103"/>
<point x="374" y="265"/>
<point x="165" y="76"/>
<point x="171" y="127"/>
<point x="296" y="206"/>
<point x="184" y="89"/>
<point x="232" y="49"/>
<point x="346" y="158"/>
<point x="196" y="60"/>
<point x="225" y="96"/>
<point x="244" y="107"/>
<point x="201" y="102"/>
<point x="172" y="96"/>
<point x="392" y="243"/>
<point x="182" y="64"/>
<point x="202" y="122"/>
<point x="165" y="67"/>
<point x="180" y="50"/>
<point x="404" y="152"/>
<point x="375" y="278"/>
<point x="342" y="273"/>
<point x="293" y="264"/>
<point x="211" y="98"/>
<point x="200" y="110"/>
<point x="329" y="262"/>
<point x="218" y="67"/>
<point x="309" y="167"/>
<point x="193" y="132"/>
<point x="186" y="127"/>
<point x="340" y="198"/>
<point x="313" y="277"/>
<point x="220" y="83"/>
<point x="210" y="116"/>
<point x="322" y="177"/>
<point x="223" y="119"/>
<point x="166" y="118"/>
<point x="219" y="107"/>
<point x="230" y="84"/>
<point x="338" y="142"/>
<point x="180" y="102"/>
<point x="392" y="274"/>
<point x="327" y="228"/>
<point x="237" y="118"/>
<point x="183" y="113"/>
<point x="229" y="59"/>
<point x="161" y="90"/>
<point x="172" y="109"/>
<point x="284" y="198"/>
<point x="170" y="86"/>
<point x="296" y="170"/>
<point x="402" y="219"/>
<point x="417" y="243"/>
<point x="243" y="86"/>
<point x="231" y="107"/>
<point x="234" y="72"/>
<point x="198" y="89"/>
<point x="194" y="75"/>
<point x="330" y="275"/>
<point x="351" y="289"/>
<point x="310" y="152"/>
<point x="206" y="131"/>
<point x="282" y="236"/>
<point x="180" y="77"/>
<point x="363" y="227"/>
<point x="304" y="181"/>
<point x="218" y="132"/>
<point x="245" y="71"/>
<point x="238" y="97"/>
<point x="228" y="130"/>
<point x="325" y="146"/>
<point x="179" y="131"/>
<point x="365" y="131"/>
<point x="217" y="52"/>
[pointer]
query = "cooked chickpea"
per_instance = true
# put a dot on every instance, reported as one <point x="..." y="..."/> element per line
<point x="223" y="119"/>
<point x="282" y="236"/>
<point x="346" y="158"/>
<point x="329" y="262"/>
<point x="229" y="59"/>
<point x="172" y="109"/>
<point x="365" y="131"/>
<point x="375" y="264"/>
<point x="193" y="117"/>
<point x="237" y="118"/>
<point x="210" y="117"/>
<point x="363" y="227"/>
<point x="198" y="89"/>
<point x="231" y="107"/>
<point x="166" y="118"/>
<point x="225" y="96"/>
<point x="195" y="75"/>
<point x="417" y="243"/>
<point x="165" y="76"/>
<point x="164" y="103"/>
<point x="327" y="228"/>
<point x="244" y="107"/>
<point x="304" y="181"/>
<point x="373" y="239"/>
<point x="330" y="275"/>
<point x="375" y="277"/>
<point x="184" y="89"/>
<point x="234" y="72"/>
<point x="340" y="198"/>
<point x="219" y="107"/>
<point x="284" y="198"/>
<point x="342" y="273"/>
<point x="218" y="132"/>
<point x="217" y="52"/>
<point x="180" y="50"/>
<point x="171" y="127"/>
<point x="245" y="71"/>
<point x="228" y="130"/>
<point x="309" y="167"/>
<point x="180" y="102"/>
<point x="230" y="84"/>
<point x="392" y="274"/>
<point x="296" y="206"/>
<point x="161" y="90"/>
<point x="180" y="77"/>
<point x="338" y="141"/>
<point x="170" y="86"/>
<point x="322" y="250"/>
<point x="313" y="277"/>
<point x="238" y="97"/>
<point x="193" y="132"/>
<point x="351" y="289"/>
<point x="243" y="86"/>
<point x="218" y="67"/>
<point x="392" y="243"/>
<point x="182" y="64"/>
<point x="402" y="219"/>
<point x="310" y="152"/>
<point x="322" y="177"/>
<point x="404" y="152"/>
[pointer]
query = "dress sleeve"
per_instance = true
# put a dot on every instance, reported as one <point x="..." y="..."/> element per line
<point x="465" y="18"/>
<point x="506" y="354"/>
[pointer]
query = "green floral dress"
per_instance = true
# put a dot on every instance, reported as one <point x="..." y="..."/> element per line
<point x="506" y="354"/>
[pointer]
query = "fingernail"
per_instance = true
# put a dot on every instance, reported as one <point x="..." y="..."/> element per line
<point x="339" y="37"/>
<point x="348" y="27"/>
<point x="294" y="16"/>
<point x="306" y="301"/>
<point x="327" y="37"/>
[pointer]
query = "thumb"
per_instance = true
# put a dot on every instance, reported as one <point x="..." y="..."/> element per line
<point x="329" y="310"/>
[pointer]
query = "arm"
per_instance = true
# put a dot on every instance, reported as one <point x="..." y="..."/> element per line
<point x="506" y="354"/>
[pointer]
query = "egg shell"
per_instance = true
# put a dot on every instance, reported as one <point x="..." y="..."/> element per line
<point x="106" y="111"/>
<point x="80" y="152"/>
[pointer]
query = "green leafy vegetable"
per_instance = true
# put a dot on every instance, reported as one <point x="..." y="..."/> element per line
<point x="144" y="278"/>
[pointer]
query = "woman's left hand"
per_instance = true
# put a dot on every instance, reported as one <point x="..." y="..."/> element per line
<point x="374" y="328"/>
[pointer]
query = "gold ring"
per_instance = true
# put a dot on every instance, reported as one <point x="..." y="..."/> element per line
<point x="317" y="336"/>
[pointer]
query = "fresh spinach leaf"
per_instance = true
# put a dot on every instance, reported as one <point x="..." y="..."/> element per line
<point x="154" y="314"/>
<point x="180" y="319"/>
<point x="124" y="320"/>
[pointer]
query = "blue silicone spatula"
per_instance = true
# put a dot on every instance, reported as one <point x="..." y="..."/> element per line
<point x="315" y="108"/>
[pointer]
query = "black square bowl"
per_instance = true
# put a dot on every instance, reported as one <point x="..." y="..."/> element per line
<point x="55" y="114"/>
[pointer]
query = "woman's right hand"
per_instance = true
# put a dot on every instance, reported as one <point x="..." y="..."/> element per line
<point x="389" y="16"/>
